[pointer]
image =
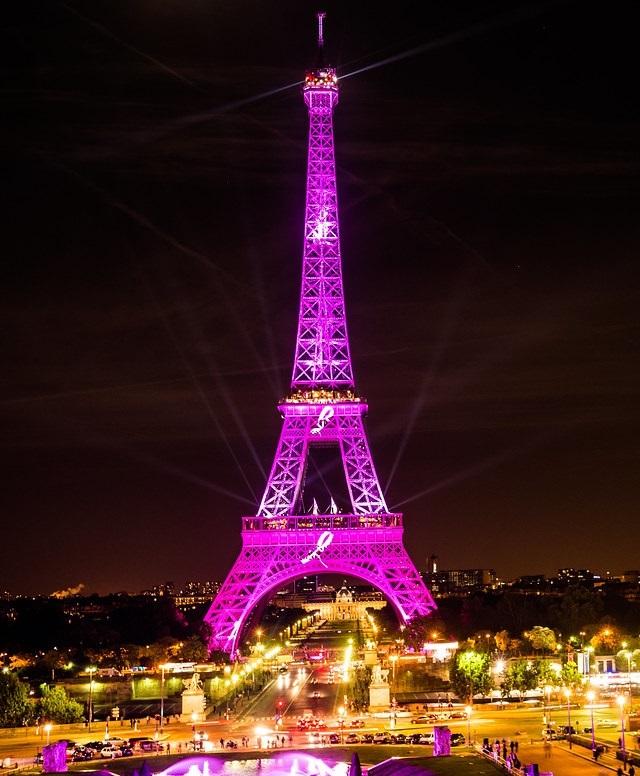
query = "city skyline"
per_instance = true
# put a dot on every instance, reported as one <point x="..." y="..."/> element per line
<point x="489" y="260"/>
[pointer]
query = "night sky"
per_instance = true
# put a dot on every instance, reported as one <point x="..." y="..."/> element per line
<point x="153" y="203"/>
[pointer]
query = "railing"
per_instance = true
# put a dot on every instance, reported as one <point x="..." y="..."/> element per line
<point x="324" y="522"/>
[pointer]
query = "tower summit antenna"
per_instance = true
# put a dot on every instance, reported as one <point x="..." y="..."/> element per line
<point x="321" y="16"/>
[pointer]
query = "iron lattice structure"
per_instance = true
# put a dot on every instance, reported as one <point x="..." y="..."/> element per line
<point x="279" y="544"/>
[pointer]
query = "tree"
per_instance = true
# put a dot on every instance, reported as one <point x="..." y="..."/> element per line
<point x="56" y="706"/>
<point x="520" y="676"/>
<point x="471" y="673"/>
<point x="570" y="676"/>
<point x="547" y="676"/>
<point x="542" y="639"/>
<point x="14" y="701"/>
<point x="193" y="650"/>
<point x="502" y="640"/>
<point x="606" y="640"/>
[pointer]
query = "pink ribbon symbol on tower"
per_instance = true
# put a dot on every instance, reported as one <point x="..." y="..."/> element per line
<point x="323" y="418"/>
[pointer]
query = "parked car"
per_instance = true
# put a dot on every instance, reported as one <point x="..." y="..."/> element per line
<point x="606" y="723"/>
<point x="401" y="738"/>
<point x="334" y="738"/>
<point x="127" y="751"/>
<point x="367" y="738"/>
<point x="457" y="739"/>
<point x="426" y="739"/>
<point x="357" y="723"/>
<point x="414" y="738"/>
<point x="110" y="751"/>
<point x="549" y="734"/>
<point x="381" y="738"/>
<point x="151" y="746"/>
<point x="352" y="738"/>
<point x="231" y="744"/>
<point x="421" y="720"/>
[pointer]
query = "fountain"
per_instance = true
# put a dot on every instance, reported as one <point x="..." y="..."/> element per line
<point x="286" y="764"/>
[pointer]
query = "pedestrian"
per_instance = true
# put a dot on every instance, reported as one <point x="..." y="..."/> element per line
<point x="516" y="746"/>
<point x="282" y="742"/>
<point x="290" y="740"/>
<point x="511" y="746"/>
<point x="632" y="770"/>
<point x="180" y="747"/>
<point x="504" y="750"/>
<point x="619" y="772"/>
<point x="168" y="747"/>
<point x="222" y="743"/>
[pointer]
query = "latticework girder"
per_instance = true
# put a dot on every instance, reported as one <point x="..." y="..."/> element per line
<point x="270" y="559"/>
<point x="277" y="545"/>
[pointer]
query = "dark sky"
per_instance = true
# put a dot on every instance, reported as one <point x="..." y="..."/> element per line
<point x="153" y="220"/>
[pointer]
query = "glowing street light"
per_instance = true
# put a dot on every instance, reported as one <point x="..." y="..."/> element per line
<point x="547" y="711"/>
<point x="393" y="660"/>
<point x="567" y="695"/>
<point x="91" y="671"/>
<point x="162" y="669"/>
<point x="621" y="700"/>
<point x="47" y="730"/>
<point x="591" y="696"/>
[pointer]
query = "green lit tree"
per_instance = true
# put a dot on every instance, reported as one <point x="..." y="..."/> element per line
<point x="542" y="639"/>
<point x="471" y="673"/>
<point x="570" y="676"/>
<point x="520" y="676"/>
<point x="56" y="706"/>
<point x="14" y="701"/>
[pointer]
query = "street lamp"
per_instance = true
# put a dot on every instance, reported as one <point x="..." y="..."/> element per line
<point x="47" y="730"/>
<point x="162" y="667"/>
<point x="591" y="696"/>
<point x="91" y="671"/>
<point x="567" y="694"/>
<point x="547" y="710"/>
<point x="393" y="659"/>
<point x="469" y="710"/>
<point x="621" y="702"/>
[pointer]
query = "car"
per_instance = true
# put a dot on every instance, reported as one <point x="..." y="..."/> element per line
<point x="231" y="744"/>
<point x="367" y="738"/>
<point x="110" y="751"/>
<point x="127" y="751"/>
<point x="606" y="723"/>
<point x="381" y="738"/>
<point x="314" y="738"/>
<point x="151" y="746"/>
<point x="426" y="739"/>
<point x="549" y="734"/>
<point x="283" y="670"/>
<point x="457" y="739"/>
<point x="401" y="738"/>
<point x="458" y="715"/>
<point x="38" y="759"/>
<point x="352" y="738"/>
<point x="334" y="738"/>
<point x="414" y="738"/>
<point x="357" y="723"/>
<point x="422" y="720"/>
<point x="95" y="746"/>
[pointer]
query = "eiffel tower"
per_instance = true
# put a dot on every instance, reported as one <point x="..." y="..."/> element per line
<point x="281" y="543"/>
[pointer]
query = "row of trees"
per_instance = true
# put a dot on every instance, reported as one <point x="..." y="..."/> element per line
<point x="474" y="673"/>
<point x="18" y="708"/>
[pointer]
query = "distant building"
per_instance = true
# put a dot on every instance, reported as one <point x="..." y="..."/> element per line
<point x="306" y="585"/>
<point x="572" y="576"/>
<point x="457" y="581"/>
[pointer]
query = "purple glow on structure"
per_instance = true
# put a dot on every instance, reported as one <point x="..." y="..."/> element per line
<point x="279" y="545"/>
<point x="289" y="764"/>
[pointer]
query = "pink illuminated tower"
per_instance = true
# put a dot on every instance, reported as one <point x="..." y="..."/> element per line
<point x="280" y="544"/>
